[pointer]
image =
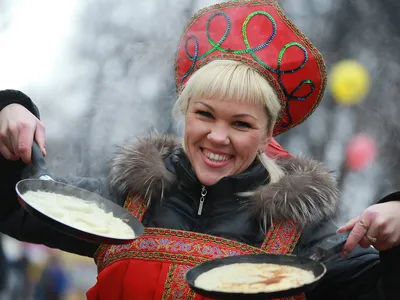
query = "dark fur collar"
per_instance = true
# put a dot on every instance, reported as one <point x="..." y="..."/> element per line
<point x="306" y="194"/>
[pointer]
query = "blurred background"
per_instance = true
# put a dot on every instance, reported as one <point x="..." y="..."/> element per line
<point x="101" y="72"/>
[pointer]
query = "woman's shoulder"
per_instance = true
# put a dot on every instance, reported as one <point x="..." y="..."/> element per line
<point x="307" y="193"/>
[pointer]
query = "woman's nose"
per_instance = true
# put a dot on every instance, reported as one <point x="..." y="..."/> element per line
<point x="219" y="136"/>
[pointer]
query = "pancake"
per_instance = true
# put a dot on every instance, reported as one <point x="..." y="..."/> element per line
<point x="250" y="278"/>
<point x="78" y="213"/>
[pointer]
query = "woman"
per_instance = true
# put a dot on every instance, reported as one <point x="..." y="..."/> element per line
<point x="218" y="193"/>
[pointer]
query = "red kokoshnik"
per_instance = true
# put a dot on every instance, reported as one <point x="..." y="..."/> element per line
<point x="259" y="34"/>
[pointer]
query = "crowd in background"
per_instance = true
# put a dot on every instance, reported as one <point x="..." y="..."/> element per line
<point x="39" y="273"/>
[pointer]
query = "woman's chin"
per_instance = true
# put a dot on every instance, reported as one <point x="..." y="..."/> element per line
<point x="210" y="179"/>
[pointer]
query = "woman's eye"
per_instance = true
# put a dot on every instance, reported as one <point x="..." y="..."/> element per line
<point x="204" y="113"/>
<point x="242" y="124"/>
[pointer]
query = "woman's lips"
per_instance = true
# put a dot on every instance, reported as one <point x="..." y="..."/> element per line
<point x="215" y="160"/>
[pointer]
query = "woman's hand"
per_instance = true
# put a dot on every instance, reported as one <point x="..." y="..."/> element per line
<point x="378" y="225"/>
<point x="18" y="128"/>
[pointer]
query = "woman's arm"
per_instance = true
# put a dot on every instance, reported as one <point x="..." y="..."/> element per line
<point x="379" y="226"/>
<point x="367" y="272"/>
<point x="14" y="220"/>
<point x="354" y="277"/>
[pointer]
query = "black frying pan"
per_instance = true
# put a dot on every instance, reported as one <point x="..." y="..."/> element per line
<point x="325" y="249"/>
<point x="46" y="183"/>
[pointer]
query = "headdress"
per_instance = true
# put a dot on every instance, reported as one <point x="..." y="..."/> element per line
<point x="259" y="34"/>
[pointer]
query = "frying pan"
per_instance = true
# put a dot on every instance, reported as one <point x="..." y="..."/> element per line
<point x="328" y="247"/>
<point x="47" y="184"/>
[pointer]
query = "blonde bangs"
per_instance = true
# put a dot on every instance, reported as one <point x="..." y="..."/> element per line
<point x="229" y="80"/>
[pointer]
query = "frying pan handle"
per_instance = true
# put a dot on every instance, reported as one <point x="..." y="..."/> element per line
<point x="39" y="163"/>
<point x="330" y="246"/>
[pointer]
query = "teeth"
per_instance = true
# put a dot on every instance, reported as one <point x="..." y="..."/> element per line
<point x="215" y="157"/>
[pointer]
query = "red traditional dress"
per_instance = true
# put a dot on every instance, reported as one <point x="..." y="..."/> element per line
<point x="153" y="266"/>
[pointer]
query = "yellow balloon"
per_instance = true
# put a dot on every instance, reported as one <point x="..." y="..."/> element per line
<point x="349" y="82"/>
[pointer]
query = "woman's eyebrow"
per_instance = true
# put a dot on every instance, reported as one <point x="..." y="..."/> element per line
<point x="235" y="116"/>
<point x="244" y="115"/>
<point x="205" y="104"/>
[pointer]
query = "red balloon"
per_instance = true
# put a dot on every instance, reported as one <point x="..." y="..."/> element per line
<point x="361" y="151"/>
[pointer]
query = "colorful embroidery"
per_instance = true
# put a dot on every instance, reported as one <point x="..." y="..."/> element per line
<point x="175" y="246"/>
<point x="135" y="206"/>
<point x="175" y="286"/>
<point x="187" y="62"/>
<point x="184" y="249"/>
<point x="316" y="54"/>
<point x="281" y="238"/>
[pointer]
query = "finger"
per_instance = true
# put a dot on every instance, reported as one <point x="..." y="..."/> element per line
<point x="25" y="140"/>
<point x="7" y="153"/>
<point x="373" y="231"/>
<point x="348" y="226"/>
<point x="371" y="236"/>
<point x="40" y="137"/>
<point x="356" y="235"/>
<point x="6" y="141"/>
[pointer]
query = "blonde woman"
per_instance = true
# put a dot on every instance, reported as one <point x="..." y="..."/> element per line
<point x="216" y="193"/>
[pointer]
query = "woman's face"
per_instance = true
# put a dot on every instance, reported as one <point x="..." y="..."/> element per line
<point x="222" y="137"/>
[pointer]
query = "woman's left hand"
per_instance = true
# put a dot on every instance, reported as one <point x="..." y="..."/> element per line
<point x="378" y="225"/>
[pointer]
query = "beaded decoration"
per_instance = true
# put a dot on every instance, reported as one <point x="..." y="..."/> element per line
<point x="259" y="34"/>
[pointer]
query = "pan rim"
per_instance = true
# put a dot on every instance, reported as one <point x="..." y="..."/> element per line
<point x="238" y="259"/>
<point x="70" y="229"/>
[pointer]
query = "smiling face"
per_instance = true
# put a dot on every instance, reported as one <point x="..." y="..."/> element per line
<point x="222" y="137"/>
<point x="230" y="111"/>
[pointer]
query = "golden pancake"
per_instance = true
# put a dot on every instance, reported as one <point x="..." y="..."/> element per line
<point x="253" y="278"/>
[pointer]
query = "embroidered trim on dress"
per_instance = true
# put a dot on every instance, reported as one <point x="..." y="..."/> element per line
<point x="177" y="289"/>
<point x="185" y="249"/>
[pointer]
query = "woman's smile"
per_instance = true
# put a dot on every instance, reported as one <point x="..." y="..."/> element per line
<point x="215" y="159"/>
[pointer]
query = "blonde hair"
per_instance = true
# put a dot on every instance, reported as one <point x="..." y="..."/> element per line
<point x="233" y="80"/>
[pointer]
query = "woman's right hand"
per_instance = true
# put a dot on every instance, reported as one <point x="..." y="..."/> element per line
<point x="18" y="128"/>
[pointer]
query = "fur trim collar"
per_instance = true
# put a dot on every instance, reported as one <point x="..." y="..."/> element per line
<point x="306" y="194"/>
